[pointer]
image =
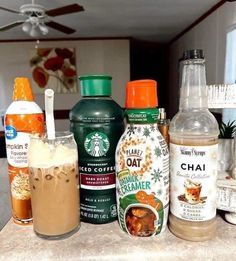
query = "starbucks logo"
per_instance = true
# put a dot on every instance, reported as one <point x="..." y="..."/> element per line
<point x="96" y="144"/>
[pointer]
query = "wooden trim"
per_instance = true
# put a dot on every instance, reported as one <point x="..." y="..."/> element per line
<point x="61" y="114"/>
<point x="64" y="39"/>
<point x="200" y="19"/>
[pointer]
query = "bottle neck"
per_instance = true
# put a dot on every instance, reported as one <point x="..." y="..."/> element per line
<point x="193" y="91"/>
<point x="142" y="116"/>
<point x="95" y="96"/>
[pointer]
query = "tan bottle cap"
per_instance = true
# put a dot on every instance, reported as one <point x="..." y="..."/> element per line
<point x="22" y="90"/>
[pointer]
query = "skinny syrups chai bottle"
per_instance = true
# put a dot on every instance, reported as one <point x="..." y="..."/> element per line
<point x="193" y="156"/>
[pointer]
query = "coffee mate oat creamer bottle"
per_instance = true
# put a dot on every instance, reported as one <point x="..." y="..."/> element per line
<point x="142" y="165"/>
<point x="22" y="118"/>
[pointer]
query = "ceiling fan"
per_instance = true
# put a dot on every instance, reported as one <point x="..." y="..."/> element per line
<point x="37" y="18"/>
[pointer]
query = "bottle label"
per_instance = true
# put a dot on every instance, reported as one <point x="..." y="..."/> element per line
<point x="97" y="183"/>
<point x="97" y="179"/>
<point x="193" y="181"/>
<point x="17" y="147"/>
<point x="142" y="165"/>
<point x="143" y="115"/>
<point x="97" y="124"/>
<point x="17" y="134"/>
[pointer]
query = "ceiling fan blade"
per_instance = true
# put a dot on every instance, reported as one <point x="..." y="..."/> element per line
<point x="60" y="27"/>
<point x="9" y="26"/>
<point x="68" y="9"/>
<point x="9" y="10"/>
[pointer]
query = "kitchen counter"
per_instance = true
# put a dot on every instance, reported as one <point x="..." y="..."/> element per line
<point x="108" y="242"/>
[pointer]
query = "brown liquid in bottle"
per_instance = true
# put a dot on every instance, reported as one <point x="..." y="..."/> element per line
<point x="189" y="230"/>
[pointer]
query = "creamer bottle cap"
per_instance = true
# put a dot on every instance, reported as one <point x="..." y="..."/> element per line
<point x="141" y="94"/>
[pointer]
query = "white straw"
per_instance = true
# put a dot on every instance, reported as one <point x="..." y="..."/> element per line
<point x="50" y="124"/>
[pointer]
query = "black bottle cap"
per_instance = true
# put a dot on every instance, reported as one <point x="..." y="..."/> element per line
<point x="193" y="54"/>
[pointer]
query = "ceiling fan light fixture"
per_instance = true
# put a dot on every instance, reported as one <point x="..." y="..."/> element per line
<point x="27" y="26"/>
<point x="37" y="18"/>
<point x="43" y="28"/>
<point x="35" y="31"/>
<point x="34" y="27"/>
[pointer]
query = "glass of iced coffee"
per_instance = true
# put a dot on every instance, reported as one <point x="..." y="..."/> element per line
<point x="53" y="166"/>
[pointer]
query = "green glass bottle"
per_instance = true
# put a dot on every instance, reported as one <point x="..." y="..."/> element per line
<point x="97" y="122"/>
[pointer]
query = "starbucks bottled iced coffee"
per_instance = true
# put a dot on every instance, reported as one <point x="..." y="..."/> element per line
<point x="97" y="124"/>
<point x="193" y="156"/>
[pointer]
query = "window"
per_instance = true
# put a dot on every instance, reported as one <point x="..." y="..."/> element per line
<point x="230" y="70"/>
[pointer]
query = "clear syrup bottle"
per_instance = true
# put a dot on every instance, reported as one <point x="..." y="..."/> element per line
<point x="193" y="156"/>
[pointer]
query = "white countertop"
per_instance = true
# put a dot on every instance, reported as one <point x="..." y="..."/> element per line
<point x="108" y="242"/>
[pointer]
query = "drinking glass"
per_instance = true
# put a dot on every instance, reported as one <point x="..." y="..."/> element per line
<point x="53" y="166"/>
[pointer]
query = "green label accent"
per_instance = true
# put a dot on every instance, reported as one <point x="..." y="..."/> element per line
<point x="123" y="173"/>
<point x="133" y="183"/>
<point x="96" y="144"/>
<point x="142" y="115"/>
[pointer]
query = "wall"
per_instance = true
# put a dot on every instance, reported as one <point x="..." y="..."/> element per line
<point x="209" y="35"/>
<point x="5" y="202"/>
<point x="92" y="57"/>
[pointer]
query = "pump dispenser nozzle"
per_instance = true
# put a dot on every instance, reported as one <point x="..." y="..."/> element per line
<point x="22" y="90"/>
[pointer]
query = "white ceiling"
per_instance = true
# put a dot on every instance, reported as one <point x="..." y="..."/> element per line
<point x="152" y="20"/>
